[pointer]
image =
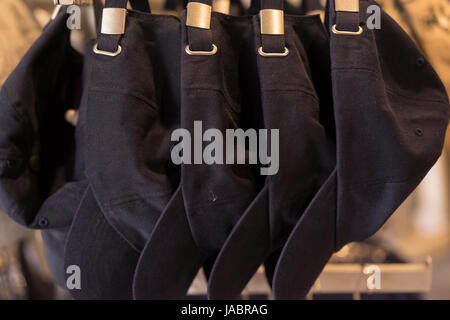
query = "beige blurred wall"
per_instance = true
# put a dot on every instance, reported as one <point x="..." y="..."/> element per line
<point x="19" y="30"/>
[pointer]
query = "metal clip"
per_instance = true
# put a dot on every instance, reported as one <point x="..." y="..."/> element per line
<point x="272" y="21"/>
<point x="346" y="5"/>
<point x="222" y="6"/>
<point x="198" y="15"/>
<point x="113" y="20"/>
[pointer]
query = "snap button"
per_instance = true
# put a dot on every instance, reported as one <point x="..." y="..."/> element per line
<point x="419" y="132"/>
<point x="43" y="222"/>
<point x="420" y="61"/>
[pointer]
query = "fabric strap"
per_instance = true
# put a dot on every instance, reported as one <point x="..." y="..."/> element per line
<point x="200" y="39"/>
<point x="345" y="21"/>
<point x="110" y="43"/>
<point x="269" y="43"/>
<point x="273" y="43"/>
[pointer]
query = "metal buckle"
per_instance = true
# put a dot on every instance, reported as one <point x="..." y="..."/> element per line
<point x="222" y="6"/>
<point x="201" y="53"/>
<point x="273" y="54"/>
<point x="113" y="21"/>
<point x="198" y="15"/>
<point x="272" y="21"/>
<point x="346" y="5"/>
<point x="348" y="33"/>
<point x="107" y="53"/>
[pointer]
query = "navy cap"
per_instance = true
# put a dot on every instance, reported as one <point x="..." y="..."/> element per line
<point x="36" y="142"/>
<point x="132" y="105"/>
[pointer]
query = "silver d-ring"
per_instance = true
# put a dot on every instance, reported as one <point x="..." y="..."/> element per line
<point x="201" y="53"/>
<point x="348" y="33"/>
<point x="273" y="54"/>
<point x="107" y="53"/>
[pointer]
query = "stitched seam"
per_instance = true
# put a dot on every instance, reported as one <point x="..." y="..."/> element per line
<point x="228" y="105"/>
<point x="383" y="180"/>
<point x="210" y="89"/>
<point x="300" y="90"/>
<point x="134" y="198"/>
<point x="389" y="90"/>
<point x="153" y="105"/>
<point x="396" y="94"/>
<point x="355" y="68"/>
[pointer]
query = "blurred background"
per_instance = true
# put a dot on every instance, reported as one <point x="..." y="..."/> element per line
<point x="418" y="234"/>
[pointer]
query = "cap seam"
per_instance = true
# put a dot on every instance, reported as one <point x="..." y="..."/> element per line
<point x="133" y="198"/>
<point x="152" y="104"/>
<point x="394" y="181"/>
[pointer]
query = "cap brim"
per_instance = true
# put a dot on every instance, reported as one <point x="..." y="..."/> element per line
<point x="244" y="251"/>
<point x="309" y="246"/>
<point x="106" y="261"/>
<point x="170" y="259"/>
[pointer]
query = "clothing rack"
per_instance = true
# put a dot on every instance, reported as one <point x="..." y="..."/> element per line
<point x="348" y="278"/>
<point x="357" y="278"/>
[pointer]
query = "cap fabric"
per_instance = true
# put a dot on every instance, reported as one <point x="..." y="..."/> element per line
<point x="131" y="107"/>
